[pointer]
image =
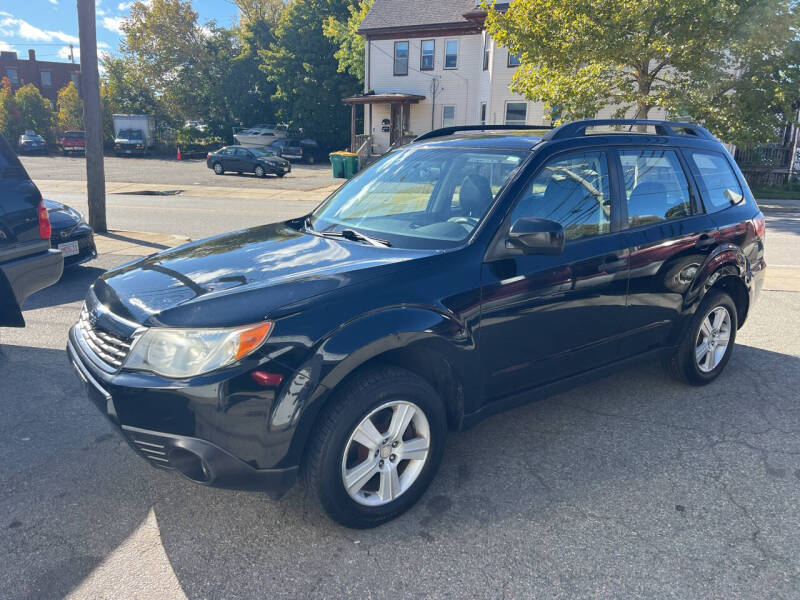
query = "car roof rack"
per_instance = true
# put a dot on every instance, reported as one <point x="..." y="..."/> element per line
<point x="665" y="128"/>
<point x="443" y="131"/>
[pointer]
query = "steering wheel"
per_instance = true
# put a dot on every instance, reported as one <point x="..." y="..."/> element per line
<point x="463" y="220"/>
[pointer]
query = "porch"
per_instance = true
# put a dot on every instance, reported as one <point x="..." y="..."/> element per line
<point x="385" y="117"/>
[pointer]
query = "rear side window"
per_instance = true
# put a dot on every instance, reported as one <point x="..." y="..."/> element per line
<point x="656" y="187"/>
<point x="717" y="180"/>
<point x="572" y="190"/>
<point x="10" y="167"/>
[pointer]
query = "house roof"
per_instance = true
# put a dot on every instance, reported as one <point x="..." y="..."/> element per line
<point x="415" y="14"/>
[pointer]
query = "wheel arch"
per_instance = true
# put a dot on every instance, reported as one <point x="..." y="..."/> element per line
<point x="725" y="269"/>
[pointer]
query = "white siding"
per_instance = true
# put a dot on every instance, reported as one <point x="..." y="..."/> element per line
<point x="465" y="87"/>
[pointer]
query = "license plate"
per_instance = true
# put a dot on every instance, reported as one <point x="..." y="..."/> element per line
<point x="69" y="248"/>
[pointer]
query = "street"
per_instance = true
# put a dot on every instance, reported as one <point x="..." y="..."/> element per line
<point x="634" y="486"/>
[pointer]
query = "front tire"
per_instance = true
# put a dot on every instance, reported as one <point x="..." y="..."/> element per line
<point x="376" y="447"/>
<point x="708" y="343"/>
<point x="260" y="172"/>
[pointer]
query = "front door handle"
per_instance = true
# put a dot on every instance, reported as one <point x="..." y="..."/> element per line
<point x="705" y="241"/>
<point x="612" y="263"/>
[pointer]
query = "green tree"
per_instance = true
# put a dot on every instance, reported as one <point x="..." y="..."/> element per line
<point x="165" y="46"/>
<point x="344" y="33"/>
<point x="35" y="111"/>
<point x="731" y="65"/>
<point x="10" y="119"/>
<point x="70" y="108"/>
<point x="301" y="64"/>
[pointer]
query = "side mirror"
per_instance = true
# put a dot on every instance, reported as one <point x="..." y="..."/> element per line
<point x="536" y="236"/>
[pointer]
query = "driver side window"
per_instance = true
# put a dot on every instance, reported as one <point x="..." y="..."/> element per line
<point x="573" y="190"/>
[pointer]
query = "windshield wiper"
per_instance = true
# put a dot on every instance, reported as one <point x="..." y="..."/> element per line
<point x="356" y="236"/>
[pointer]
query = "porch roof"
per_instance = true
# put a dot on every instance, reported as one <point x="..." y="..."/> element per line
<point x="391" y="98"/>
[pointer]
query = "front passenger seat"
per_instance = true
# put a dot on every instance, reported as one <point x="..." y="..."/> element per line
<point x="475" y="196"/>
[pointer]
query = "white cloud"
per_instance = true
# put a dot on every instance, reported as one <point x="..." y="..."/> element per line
<point x="113" y="23"/>
<point x="63" y="52"/>
<point x="97" y="9"/>
<point x="10" y="25"/>
<point x="54" y="2"/>
<point x="5" y="46"/>
<point x="123" y="6"/>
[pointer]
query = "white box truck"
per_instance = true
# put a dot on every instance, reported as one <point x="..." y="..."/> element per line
<point x="134" y="134"/>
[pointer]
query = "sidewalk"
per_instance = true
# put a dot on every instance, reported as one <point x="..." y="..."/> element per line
<point x="135" y="243"/>
<point x="766" y="204"/>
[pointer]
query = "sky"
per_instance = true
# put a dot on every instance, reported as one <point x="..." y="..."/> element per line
<point x="50" y="26"/>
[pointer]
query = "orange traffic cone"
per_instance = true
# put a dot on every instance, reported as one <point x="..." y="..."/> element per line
<point x="179" y="153"/>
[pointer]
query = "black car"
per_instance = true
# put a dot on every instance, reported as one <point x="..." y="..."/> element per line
<point x="296" y="149"/>
<point x="30" y="143"/>
<point x="70" y="234"/>
<point x="27" y="263"/>
<point x="260" y="161"/>
<point x="460" y="275"/>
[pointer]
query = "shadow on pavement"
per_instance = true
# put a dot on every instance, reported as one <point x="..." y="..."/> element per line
<point x="629" y="475"/>
<point x="70" y="288"/>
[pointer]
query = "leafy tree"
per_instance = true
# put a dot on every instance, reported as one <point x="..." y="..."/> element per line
<point x="166" y="46"/>
<point x="345" y="35"/>
<point x="301" y="64"/>
<point x="35" y="111"/>
<point x="260" y="11"/>
<point x="732" y="65"/>
<point x="10" y="118"/>
<point x="70" y="108"/>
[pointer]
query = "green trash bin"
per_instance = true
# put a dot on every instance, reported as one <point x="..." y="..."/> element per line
<point x="337" y="164"/>
<point x="350" y="160"/>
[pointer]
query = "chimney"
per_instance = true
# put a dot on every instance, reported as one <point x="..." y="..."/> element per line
<point x="32" y="55"/>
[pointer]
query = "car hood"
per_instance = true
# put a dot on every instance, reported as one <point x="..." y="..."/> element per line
<point x="240" y="277"/>
<point x="60" y="215"/>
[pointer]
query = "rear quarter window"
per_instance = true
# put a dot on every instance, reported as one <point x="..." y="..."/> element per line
<point x="717" y="180"/>
<point x="10" y="167"/>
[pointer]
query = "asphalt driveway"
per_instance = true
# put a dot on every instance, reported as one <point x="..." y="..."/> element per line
<point x="631" y="487"/>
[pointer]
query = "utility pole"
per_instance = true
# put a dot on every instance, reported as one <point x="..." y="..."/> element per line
<point x="92" y="116"/>
<point x="72" y="54"/>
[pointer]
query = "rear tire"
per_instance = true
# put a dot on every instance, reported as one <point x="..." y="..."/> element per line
<point x="405" y="417"/>
<point x="310" y="159"/>
<point x="218" y="169"/>
<point x="708" y="342"/>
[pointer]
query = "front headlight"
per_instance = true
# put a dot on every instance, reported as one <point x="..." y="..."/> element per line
<point x="189" y="352"/>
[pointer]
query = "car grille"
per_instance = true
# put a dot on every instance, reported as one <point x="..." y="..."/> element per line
<point x="108" y="347"/>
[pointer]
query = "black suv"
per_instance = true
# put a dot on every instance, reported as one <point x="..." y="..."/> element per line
<point x="27" y="263"/>
<point x="470" y="271"/>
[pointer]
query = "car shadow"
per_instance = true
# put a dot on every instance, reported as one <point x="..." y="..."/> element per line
<point x="624" y="471"/>
<point x="70" y="288"/>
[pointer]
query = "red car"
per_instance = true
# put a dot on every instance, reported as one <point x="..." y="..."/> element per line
<point x="73" y="141"/>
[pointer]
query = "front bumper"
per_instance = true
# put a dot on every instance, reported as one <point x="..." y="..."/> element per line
<point x="200" y="460"/>
<point x="87" y="250"/>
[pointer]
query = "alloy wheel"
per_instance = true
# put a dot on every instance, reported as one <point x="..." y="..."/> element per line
<point x="713" y="339"/>
<point x="386" y="453"/>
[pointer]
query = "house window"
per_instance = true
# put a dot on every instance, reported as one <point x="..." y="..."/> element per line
<point x="448" y="115"/>
<point x="426" y="57"/>
<point x="13" y="76"/>
<point x="47" y="79"/>
<point x="483" y="113"/>
<point x="486" y="43"/>
<point x="514" y="60"/>
<point x="451" y="54"/>
<point x="401" y="58"/>
<point x="516" y="113"/>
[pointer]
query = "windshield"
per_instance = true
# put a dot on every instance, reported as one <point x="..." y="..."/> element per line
<point x="259" y="152"/>
<point x="74" y="134"/>
<point x="420" y="197"/>
<point x="130" y="134"/>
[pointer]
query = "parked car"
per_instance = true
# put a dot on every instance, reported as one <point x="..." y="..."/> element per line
<point x="296" y="149"/>
<point x="259" y="161"/>
<point x="260" y="135"/>
<point x="73" y="141"/>
<point x="27" y="263"/>
<point x="31" y="143"/>
<point x="460" y="275"/>
<point x="70" y="234"/>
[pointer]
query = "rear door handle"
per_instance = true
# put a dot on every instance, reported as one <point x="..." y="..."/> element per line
<point x="705" y="241"/>
<point x="612" y="263"/>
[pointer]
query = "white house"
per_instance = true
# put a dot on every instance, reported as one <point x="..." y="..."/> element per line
<point x="430" y="64"/>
